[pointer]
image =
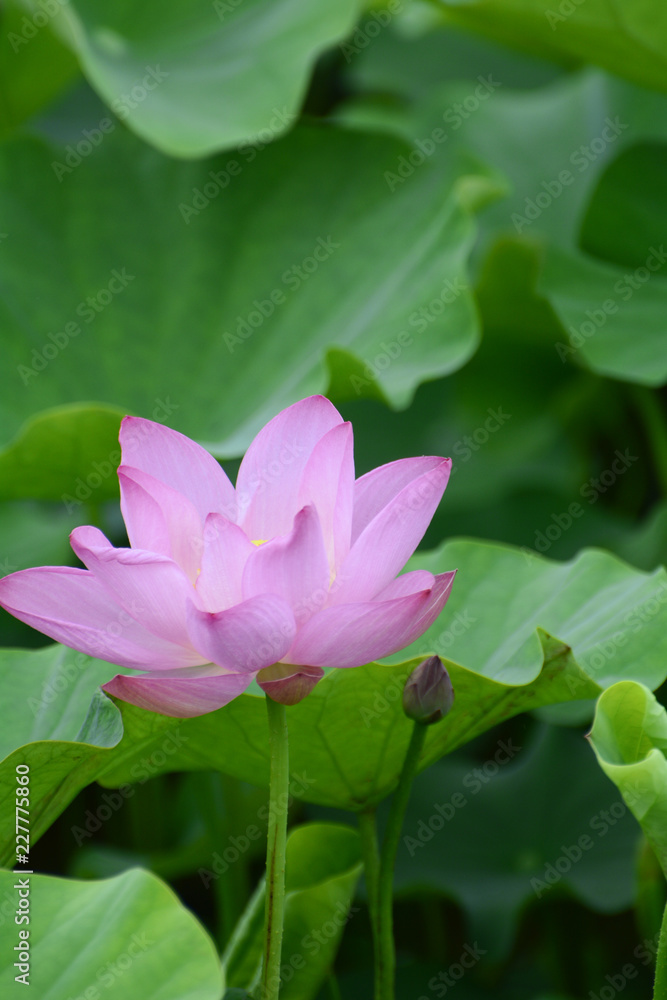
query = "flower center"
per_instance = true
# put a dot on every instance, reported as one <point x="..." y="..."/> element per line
<point x="258" y="541"/>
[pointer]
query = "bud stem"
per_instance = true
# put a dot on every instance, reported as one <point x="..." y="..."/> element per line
<point x="660" y="987"/>
<point x="371" y="855"/>
<point x="386" y="964"/>
<point x="274" y="911"/>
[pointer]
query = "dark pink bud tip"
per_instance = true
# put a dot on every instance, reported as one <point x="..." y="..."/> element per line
<point x="428" y="694"/>
<point x="288" y="684"/>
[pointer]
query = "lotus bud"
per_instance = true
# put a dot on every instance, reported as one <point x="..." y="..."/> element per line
<point x="428" y="694"/>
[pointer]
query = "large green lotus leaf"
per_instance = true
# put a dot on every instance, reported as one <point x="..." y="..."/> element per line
<point x="629" y="737"/>
<point x="612" y="305"/>
<point x="629" y="40"/>
<point x="69" y="453"/>
<point x="348" y="738"/>
<point x="613" y="318"/>
<point x="46" y="697"/>
<point x="34" y="65"/>
<point x="127" y="937"/>
<point x="322" y="868"/>
<point x="535" y="460"/>
<point x="193" y="78"/>
<point x="521" y="452"/>
<point x="408" y="63"/>
<point x="646" y="546"/>
<point x="505" y="441"/>
<point x="517" y="792"/>
<point x="518" y="632"/>
<point x="31" y="534"/>
<point x="583" y="157"/>
<point x="275" y="285"/>
<point x="543" y="451"/>
<point x="611" y="616"/>
<point x="628" y="211"/>
<point x="576" y="125"/>
<point x="34" y="534"/>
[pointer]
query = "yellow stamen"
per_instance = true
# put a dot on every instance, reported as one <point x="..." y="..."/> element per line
<point x="258" y="541"/>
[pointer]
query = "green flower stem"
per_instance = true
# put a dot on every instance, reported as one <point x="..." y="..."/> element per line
<point x="371" y="853"/>
<point x="660" y="987"/>
<point x="371" y="856"/>
<point x="653" y="416"/>
<point x="385" y="917"/>
<point x="274" y="912"/>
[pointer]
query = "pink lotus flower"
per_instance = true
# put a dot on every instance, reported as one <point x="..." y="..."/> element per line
<point x="295" y="567"/>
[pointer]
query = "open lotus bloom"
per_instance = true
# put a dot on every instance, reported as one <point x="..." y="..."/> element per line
<point x="294" y="570"/>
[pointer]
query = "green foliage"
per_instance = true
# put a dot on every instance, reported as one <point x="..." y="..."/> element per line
<point x="322" y="868"/>
<point x="543" y="848"/>
<point x="173" y="73"/>
<point x="561" y="641"/>
<point x="34" y="67"/>
<point x="217" y="332"/>
<point x="631" y="44"/>
<point x="127" y="937"/>
<point x="629" y="737"/>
